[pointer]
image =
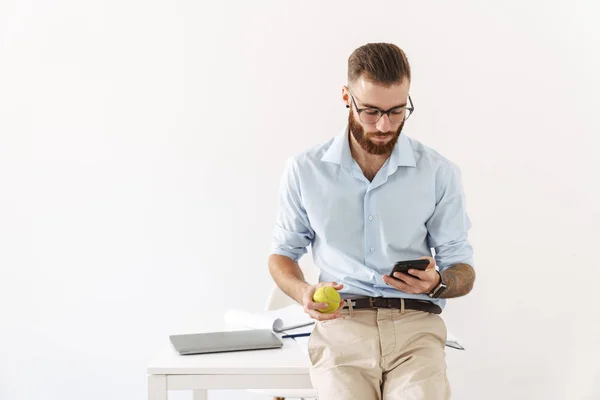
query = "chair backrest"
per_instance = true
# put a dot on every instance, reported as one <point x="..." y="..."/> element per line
<point x="278" y="299"/>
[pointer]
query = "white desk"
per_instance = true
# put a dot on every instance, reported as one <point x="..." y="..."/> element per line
<point x="285" y="368"/>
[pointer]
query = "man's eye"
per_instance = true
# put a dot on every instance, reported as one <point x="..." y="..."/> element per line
<point x="397" y="112"/>
<point x="371" y="112"/>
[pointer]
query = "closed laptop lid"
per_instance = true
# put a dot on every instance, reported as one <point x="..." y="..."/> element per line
<point x="215" y="342"/>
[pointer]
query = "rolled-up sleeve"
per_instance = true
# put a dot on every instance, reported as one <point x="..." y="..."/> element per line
<point x="292" y="233"/>
<point x="449" y="224"/>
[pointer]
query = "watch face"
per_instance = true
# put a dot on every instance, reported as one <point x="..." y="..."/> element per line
<point x="439" y="290"/>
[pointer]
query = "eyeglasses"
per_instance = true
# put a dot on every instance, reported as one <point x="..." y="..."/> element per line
<point x="396" y="115"/>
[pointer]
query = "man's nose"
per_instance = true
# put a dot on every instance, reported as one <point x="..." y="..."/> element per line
<point x="384" y="124"/>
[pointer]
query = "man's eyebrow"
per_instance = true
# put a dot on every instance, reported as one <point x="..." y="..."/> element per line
<point x="372" y="106"/>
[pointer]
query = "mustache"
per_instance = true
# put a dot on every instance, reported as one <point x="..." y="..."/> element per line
<point x="380" y="134"/>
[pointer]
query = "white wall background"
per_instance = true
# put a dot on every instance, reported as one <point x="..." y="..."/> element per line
<point x="141" y="145"/>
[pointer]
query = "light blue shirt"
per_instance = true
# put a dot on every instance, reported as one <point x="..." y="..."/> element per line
<point x="359" y="229"/>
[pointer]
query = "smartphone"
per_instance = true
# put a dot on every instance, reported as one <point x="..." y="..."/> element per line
<point x="404" y="266"/>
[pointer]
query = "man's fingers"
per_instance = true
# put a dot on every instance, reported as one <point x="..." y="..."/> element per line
<point x="417" y="273"/>
<point x="400" y="285"/>
<point x="393" y="282"/>
<point x="312" y="308"/>
<point x="319" y="316"/>
<point x="431" y="261"/>
<point x="417" y="283"/>
<point x="321" y="306"/>
<point x="409" y="279"/>
<point x="407" y="284"/>
<point x="314" y="314"/>
<point x="335" y="285"/>
<point x="316" y="306"/>
<point x="323" y="317"/>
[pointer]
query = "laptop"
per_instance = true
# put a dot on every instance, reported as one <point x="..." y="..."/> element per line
<point x="219" y="342"/>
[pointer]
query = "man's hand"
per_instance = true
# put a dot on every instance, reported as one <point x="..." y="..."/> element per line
<point x="310" y="307"/>
<point x="418" y="282"/>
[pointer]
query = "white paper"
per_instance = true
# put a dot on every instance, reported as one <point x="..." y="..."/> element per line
<point x="279" y="320"/>
<point x="452" y="341"/>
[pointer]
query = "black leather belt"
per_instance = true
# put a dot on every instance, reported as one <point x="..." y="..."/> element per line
<point x="385" y="302"/>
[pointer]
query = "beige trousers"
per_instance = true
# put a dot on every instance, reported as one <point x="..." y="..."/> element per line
<point x="380" y="354"/>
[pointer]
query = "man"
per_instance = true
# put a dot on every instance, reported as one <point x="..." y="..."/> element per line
<point x="364" y="200"/>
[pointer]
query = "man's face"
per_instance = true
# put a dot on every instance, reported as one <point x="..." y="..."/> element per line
<point x="381" y="137"/>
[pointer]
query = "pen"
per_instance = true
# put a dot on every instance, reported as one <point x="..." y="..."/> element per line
<point x="295" y="335"/>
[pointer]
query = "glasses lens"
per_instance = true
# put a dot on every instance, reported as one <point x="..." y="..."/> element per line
<point x="370" y="116"/>
<point x="398" y="115"/>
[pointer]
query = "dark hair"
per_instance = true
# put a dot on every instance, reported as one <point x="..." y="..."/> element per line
<point x="383" y="63"/>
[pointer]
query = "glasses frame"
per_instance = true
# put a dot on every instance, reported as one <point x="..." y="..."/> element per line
<point x="409" y="107"/>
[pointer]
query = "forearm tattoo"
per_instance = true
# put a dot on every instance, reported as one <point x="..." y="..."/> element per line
<point x="460" y="279"/>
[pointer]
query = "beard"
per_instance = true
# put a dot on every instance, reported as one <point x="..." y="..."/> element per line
<point x="364" y="139"/>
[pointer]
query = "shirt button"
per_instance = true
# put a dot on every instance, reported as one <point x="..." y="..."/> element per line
<point x="370" y="218"/>
<point x="372" y="250"/>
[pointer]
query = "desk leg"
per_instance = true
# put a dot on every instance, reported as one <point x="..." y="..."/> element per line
<point x="157" y="387"/>
<point x="200" y="395"/>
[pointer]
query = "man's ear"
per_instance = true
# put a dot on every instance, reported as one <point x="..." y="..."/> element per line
<point x="346" y="96"/>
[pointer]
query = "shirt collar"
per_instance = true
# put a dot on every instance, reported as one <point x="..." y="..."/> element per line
<point x="339" y="152"/>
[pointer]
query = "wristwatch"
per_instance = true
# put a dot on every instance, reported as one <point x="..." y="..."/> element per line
<point x="439" y="289"/>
